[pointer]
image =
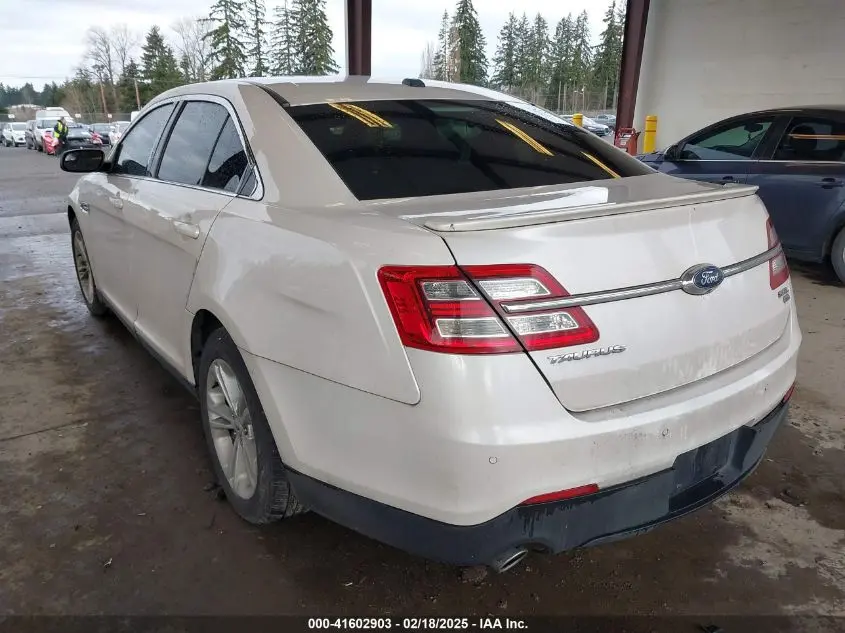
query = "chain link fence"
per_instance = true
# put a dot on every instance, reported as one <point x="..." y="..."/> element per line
<point x="590" y="103"/>
<point x="100" y="117"/>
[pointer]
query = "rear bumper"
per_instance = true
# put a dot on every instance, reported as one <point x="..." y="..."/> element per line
<point x="696" y="478"/>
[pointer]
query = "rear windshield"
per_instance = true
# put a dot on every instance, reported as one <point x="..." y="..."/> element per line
<point x="18" y="126"/>
<point x="413" y="148"/>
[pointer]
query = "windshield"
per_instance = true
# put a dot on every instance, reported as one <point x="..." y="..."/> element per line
<point x="20" y="127"/>
<point x="101" y="127"/>
<point x="412" y="148"/>
<point x="45" y="124"/>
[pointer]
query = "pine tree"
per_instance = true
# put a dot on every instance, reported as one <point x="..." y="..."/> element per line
<point x="185" y="67"/>
<point x="523" y="54"/>
<point x="608" y="58"/>
<point x="258" y="50"/>
<point x="504" y="63"/>
<point x="314" y="52"/>
<point x="283" y="40"/>
<point x="444" y="49"/>
<point x="126" y="86"/>
<point x="471" y="55"/>
<point x="226" y="39"/>
<point x="560" y="64"/>
<point x="160" y="69"/>
<point x="581" y="57"/>
<point x="536" y="67"/>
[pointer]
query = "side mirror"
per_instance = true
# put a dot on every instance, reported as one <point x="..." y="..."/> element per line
<point x="82" y="160"/>
<point x="672" y="153"/>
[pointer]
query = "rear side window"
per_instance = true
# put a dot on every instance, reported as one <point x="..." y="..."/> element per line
<point x="413" y="148"/>
<point x="813" y="139"/>
<point x="191" y="142"/>
<point x="228" y="161"/>
<point x="133" y="157"/>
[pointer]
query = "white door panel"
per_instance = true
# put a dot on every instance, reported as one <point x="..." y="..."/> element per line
<point x="169" y="226"/>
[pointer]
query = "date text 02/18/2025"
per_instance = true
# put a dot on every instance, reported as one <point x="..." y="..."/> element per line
<point x="416" y="624"/>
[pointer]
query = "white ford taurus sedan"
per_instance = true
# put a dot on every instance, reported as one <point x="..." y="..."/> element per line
<point x="439" y="315"/>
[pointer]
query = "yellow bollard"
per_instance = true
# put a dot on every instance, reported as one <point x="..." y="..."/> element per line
<point x="578" y="119"/>
<point x="650" y="133"/>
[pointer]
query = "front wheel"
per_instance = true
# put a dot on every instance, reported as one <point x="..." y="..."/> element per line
<point x="837" y="255"/>
<point x="243" y="451"/>
<point x="84" y="273"/>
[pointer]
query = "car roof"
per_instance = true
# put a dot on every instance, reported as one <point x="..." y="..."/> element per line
<point x="802" y="108"/>
<point x="308" y="90"/>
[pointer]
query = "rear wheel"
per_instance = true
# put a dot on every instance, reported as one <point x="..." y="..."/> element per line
<point x="837" y="255"/>
<point x="243" y="451"/>
<point x="84" y="272"/>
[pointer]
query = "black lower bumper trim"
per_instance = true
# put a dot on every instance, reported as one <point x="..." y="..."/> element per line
<point x="696" y="479"/>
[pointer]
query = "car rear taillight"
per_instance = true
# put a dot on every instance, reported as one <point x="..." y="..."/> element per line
<point x="446" y="309"/>
<point x="778" y="268"/>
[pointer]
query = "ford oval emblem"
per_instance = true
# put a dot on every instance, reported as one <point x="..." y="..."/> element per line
<point x="701" y="279"/>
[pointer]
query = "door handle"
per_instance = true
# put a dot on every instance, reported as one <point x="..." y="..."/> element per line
<point x="830" y="183"/>
<point x="117" y="203"/>
<point x="728" y="178"/>
<point x="186" y="229"/>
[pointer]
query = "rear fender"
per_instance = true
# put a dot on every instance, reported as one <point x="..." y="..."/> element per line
<point x="300" y="288"/>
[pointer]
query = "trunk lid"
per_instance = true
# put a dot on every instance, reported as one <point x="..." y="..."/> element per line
<point x="617" y="234"/>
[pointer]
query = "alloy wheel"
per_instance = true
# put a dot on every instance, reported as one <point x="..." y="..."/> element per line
<point x="83" y="268"/>
<point x="231" y="429"/>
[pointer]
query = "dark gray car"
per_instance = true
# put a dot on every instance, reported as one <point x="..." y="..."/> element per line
<point x="796" y="156"/>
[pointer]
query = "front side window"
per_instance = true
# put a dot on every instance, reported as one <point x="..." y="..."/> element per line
<point x="411" y="148"/>
<point x="134" y="153"/>
<point x="191" y="142"/>
<point x="736" y="141"/>
<point x="813" y="139"/>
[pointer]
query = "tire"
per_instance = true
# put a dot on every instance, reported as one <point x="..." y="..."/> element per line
<point x="85" y="273"/>
<point x="267" y="496"/>
<point x="837" y="255"/>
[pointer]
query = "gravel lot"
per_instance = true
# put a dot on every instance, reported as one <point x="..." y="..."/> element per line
<point x="106" y="505"/>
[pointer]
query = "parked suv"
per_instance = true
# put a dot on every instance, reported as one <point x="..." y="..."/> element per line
<point x="436" y="314"/>
<point x="13" y="134"/>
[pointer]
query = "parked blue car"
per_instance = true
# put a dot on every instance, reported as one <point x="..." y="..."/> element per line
<point x="797" y="158"/>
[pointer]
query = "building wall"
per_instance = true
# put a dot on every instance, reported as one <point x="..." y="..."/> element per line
<point x="704" y="60"/>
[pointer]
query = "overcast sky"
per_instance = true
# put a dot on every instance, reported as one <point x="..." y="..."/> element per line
<point x="49" y="48"/>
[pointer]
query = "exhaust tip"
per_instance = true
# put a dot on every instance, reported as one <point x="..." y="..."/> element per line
<point x="508" y="559"/>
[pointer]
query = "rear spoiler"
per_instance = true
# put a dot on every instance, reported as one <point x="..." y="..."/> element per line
<point x="512" y="220"/>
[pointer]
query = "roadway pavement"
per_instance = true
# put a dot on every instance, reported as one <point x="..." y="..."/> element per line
<point x="107" y="505"/>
